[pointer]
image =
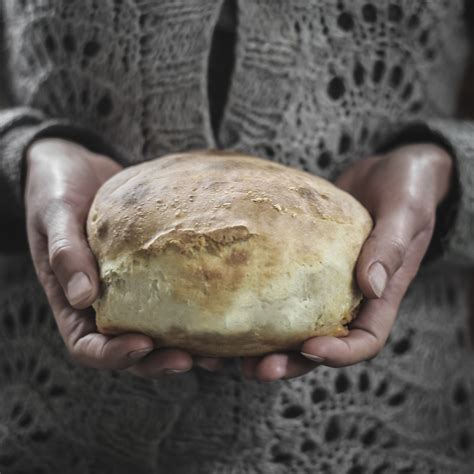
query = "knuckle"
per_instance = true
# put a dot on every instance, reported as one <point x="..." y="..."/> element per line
<point x="76" y="354"/>
<point x="58" y="251"/>
<point x="78" y="346"/>
<point x="105" y="355"/>
<point x="372" y="241"/>
<point x="393" y="247"/>
<point x="398" y="248"/>
<point x="422" y="212"/>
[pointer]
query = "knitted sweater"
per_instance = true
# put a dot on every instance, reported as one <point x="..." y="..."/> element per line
<point x="316" y="84"/>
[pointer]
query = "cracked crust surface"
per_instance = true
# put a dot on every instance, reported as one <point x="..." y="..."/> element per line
<point x="224" y="254"/>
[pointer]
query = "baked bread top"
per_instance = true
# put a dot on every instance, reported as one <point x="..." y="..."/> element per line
<point x="224" y="254"/>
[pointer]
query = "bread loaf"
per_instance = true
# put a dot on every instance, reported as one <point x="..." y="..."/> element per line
<point x="223" y="254"/>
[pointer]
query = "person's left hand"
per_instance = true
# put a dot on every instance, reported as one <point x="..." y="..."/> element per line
<point x="401" y="190"/>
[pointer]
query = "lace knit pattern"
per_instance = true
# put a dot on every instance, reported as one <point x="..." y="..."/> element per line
<point x="316" y="85"/>
<point x="404" y="412"/>
<point x="57" y="417"/>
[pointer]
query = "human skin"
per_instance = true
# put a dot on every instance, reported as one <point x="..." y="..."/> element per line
<point x="401" y="189"/>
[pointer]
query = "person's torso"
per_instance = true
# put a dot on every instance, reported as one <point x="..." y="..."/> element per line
<point x="315" y="84"/>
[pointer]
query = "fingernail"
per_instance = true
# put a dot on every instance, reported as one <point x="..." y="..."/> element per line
<point x="378" y="278"/>
<point x="280" y="371"/>
<point x="134" y="355"/>
<point x="78" y="288"/>
<point x="313" y="357"/>
<point x="175" y="371"/>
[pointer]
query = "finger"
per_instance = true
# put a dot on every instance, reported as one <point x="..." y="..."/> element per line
<point x="78" y="329"/>
<point x="212" y="364"/>
<point x="70" y="257"/>
<point x="384" y="251"/>
<point x="366" y="338"/>
<point x="248" y="365"/>
<point x="92" y="349"/>
<point x="355" y="173"/>
<point x="342" y="352"/>
<point x="163" y="362"/>
<point x="271" y="367"/>
<point x="46" y="231"/>
<point x="283" y="366"/>
<point x="369" y="331"/>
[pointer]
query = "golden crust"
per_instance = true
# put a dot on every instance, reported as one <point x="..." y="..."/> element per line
<point x="225" y="254"/>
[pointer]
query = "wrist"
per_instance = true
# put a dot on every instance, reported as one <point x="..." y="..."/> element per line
<point x="41" y="147"/>
<point x="443" y="165"/>
<point x="433" y="161"/>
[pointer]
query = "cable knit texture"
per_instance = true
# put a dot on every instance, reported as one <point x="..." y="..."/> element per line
<point x="316" y="85"/>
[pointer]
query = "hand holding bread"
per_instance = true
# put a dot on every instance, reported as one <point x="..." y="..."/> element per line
<point x="220" y="255"/>
<point x="225" y="255"/>
<point x="401" y="189"/>
<point x="61" y="180"/>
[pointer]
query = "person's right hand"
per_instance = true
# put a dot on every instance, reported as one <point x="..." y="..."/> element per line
<point x="61" y="181"/>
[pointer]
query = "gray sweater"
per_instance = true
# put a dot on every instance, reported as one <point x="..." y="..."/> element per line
<point x="316" y="84"/>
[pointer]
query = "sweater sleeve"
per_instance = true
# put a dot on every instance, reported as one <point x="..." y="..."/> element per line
<point x="20" y="125"/>
<point x="453" y="239"/>
<point x="456" y="241"/>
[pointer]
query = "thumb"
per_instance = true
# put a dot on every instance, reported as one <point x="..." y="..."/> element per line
<point x="70" y="257"/>
<point x="384" y="251"/>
